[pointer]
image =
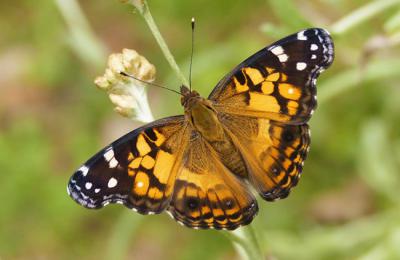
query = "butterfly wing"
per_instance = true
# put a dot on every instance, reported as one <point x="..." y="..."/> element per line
<point x="138" y="170"/>
<point x="278" y="82"/>
<point x="273" y="152"/>
<point x="206" y="194"/>
<point x="264" y="104"/>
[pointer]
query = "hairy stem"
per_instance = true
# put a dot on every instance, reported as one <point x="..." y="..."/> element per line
<point x="144" y="10"/>
<point x="81" y="37"/>
<point x="246" y="242"/>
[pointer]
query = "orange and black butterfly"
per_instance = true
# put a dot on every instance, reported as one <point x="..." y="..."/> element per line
<point x="202" y="168"/>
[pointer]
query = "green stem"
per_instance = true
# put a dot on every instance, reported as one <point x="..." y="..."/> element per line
<point x="144" y="10"/>
<point x="81" y="37"/>
<point x="361" y="15"/>
<point x="121" y="235"/>
<point x="246" y="243"/>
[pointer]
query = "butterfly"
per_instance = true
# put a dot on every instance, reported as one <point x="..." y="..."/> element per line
<point x="204" y="167"/>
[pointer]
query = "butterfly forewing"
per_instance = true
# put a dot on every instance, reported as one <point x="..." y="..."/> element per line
<point x="278" y="82"/>
<point x="138" y="170"/>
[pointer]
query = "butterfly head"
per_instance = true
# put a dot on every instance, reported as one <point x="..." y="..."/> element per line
<point x="188" y="96"/>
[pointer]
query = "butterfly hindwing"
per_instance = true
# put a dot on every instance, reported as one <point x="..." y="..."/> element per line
<point x="273" y="152"/>
<point x="137" y="170"/>
<point x="284" y="159"/>
<point x="278" y="82"/>
<point x="207" y="195"/>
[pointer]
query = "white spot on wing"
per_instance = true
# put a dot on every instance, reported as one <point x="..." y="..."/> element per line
<point x="313" y="57"/>
<point x="278" y="50"/>
<point x="84" y="170"/>
<point x="84" y="196"/>
<point x="283" y="57"/>
<point x="314" y="47"/>
<point x="113" y="163"/>
<point x="109" y="154"/>
<point x="112" y="183"/>
<point x="88" y="185"/>
<point x="301" y="66"/>
<point x="96" y="190"/>
<point x="301" y="36"/>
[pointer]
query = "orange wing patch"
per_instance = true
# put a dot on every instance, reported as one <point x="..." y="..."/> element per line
<point x="153" y="167"/>
<point x="261" y="93"/>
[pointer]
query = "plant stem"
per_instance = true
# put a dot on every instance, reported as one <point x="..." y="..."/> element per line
<point x="122" y="234"/>
<point x="246" y="242"/>
<point x="81" y="37"/>
<point x="144" y="10"/>
<point x="361" y="15"/>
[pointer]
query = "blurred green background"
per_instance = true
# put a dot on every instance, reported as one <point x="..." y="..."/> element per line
<point x="52" y="119"/>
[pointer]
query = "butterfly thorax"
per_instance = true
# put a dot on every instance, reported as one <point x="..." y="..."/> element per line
<point x="200" y="113"/>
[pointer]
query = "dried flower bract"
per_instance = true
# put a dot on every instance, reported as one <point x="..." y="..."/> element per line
<point x="127" y="94"/>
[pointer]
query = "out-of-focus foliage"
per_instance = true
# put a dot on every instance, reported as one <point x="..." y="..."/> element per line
<point x="52" y="118"/>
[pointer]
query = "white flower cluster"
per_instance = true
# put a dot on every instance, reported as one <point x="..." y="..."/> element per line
<point x="127" y="94"/>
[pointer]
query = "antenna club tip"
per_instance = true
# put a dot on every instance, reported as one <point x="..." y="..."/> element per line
<point x="193" y="20"/>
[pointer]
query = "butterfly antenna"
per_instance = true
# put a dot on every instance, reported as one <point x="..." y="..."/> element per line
<point x="191" y="56"/>
<point x="148" y="83"/>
